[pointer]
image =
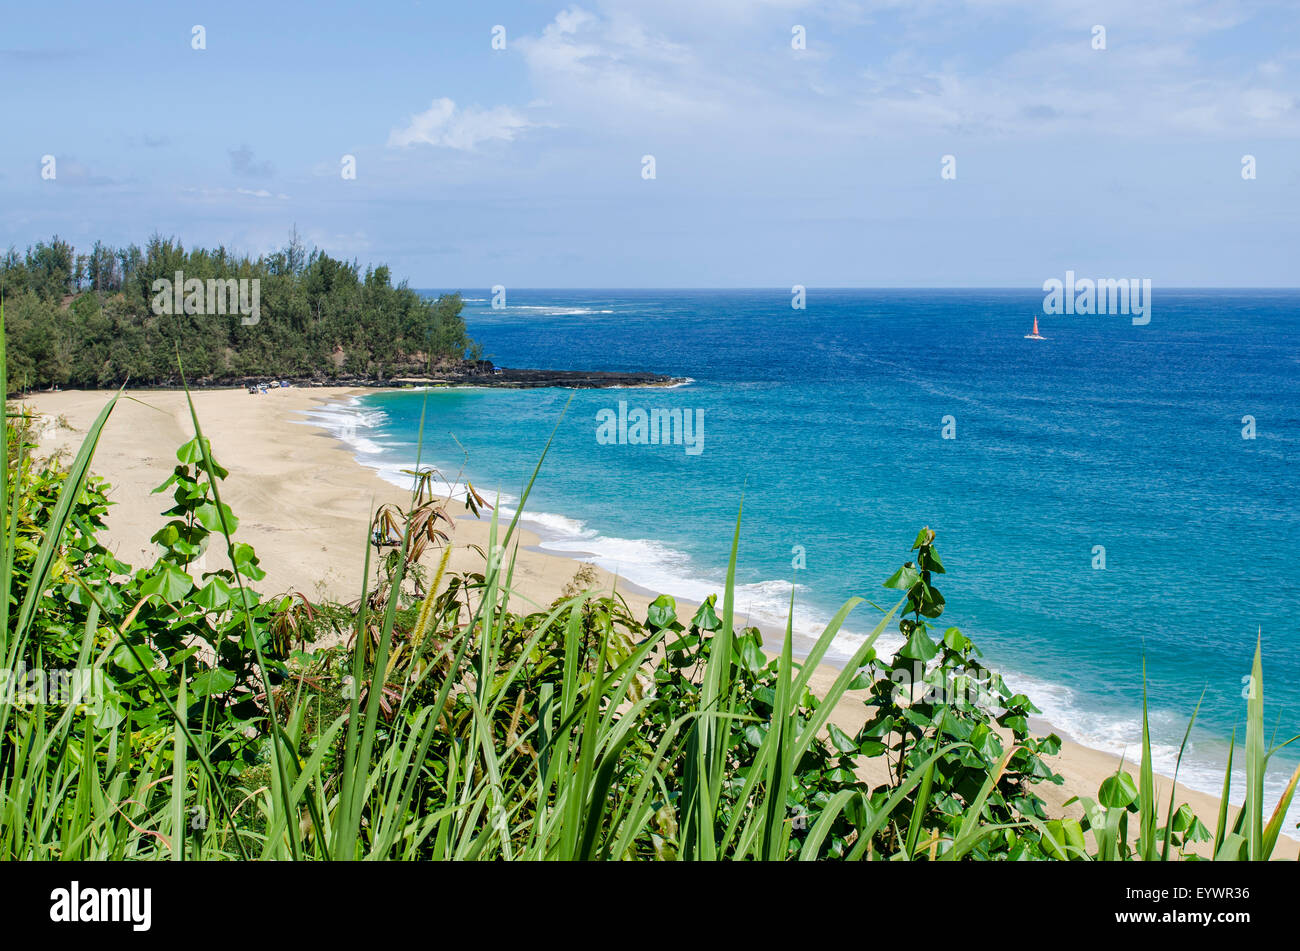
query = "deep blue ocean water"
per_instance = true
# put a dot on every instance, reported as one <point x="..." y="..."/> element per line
<point x="829" y="422"/>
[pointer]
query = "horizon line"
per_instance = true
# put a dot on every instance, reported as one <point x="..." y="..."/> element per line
<point x="852" y="287"/>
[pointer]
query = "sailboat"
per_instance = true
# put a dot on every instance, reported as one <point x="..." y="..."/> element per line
<point x="1035" y="335"/>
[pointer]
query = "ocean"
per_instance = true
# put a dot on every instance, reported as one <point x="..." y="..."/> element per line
<point x="1096" y="500"/>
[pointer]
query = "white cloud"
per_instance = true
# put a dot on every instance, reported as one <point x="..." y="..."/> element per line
<point x="217" y="194"/>
<point x="570" y="21"/>
<point x="930" y="67"/>
<point x="619" y="68"/>
<point x="443" y="125"/>
<point x="1267" y="105"/>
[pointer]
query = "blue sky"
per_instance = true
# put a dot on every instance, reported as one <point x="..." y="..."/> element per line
<point x="774" y="166"/>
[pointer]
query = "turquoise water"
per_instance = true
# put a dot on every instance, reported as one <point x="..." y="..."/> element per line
<point x="829" y="421"/>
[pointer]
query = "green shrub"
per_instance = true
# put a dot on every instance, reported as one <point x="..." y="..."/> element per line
<point x="432" y="722"/>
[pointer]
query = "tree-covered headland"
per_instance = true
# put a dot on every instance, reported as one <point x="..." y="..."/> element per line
<point x="98" y="318"/>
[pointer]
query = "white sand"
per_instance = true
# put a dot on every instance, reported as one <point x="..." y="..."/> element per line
<point x="305" y="504"/>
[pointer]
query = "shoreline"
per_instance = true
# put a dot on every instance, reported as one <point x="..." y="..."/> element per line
<point x="304" y="503"/>
<point x="486" y="377"/>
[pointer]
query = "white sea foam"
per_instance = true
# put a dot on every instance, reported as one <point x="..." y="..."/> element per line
<point x="355" y="427"/>
<point x="364" y="432"/>
<point x="560" y="524"/>
<point x="650" y="565"/>
<point x="551" y="310"/>
<point x="1119" y="732"/>
<point x="653" y="566"/>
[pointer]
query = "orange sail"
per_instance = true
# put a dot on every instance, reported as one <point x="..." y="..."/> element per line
<point x="1035" y="335"/>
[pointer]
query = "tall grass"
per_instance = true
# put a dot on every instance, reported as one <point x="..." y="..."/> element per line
<point x="550" y="780"/>
<point x="71" y="793"/>
<point x="1243" y="836"/>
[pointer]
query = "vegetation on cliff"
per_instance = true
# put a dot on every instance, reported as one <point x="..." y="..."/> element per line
<point x="96" y="319"/>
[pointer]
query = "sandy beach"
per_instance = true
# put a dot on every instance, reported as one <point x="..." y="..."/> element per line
<point x="305" y="504"/>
